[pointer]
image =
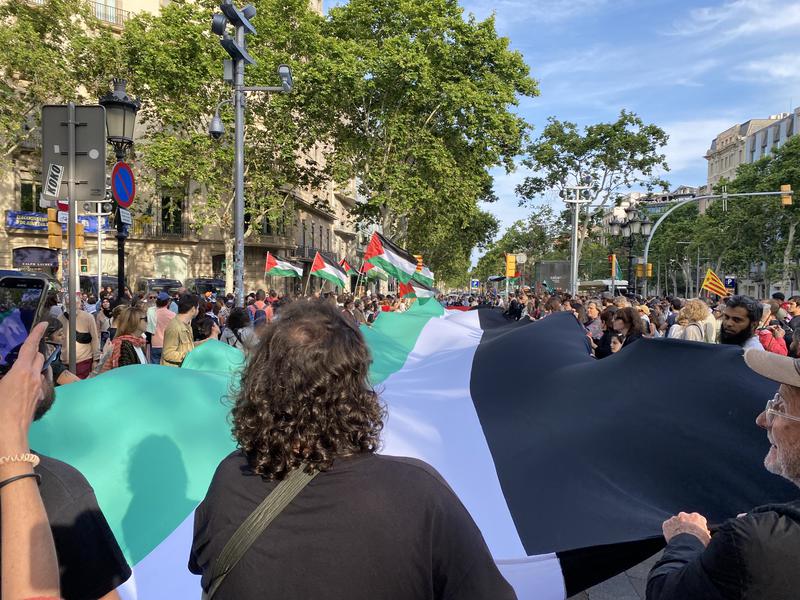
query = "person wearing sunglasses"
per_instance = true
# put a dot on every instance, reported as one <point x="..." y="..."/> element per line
<point x="756" y="554"/>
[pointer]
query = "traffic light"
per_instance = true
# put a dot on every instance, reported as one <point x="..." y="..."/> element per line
<point x="649" y="269"/>
<point x="786" y="194"/>
<point x="639" y="270"/>
<point x="419" y="262"/>
<point x="511" y="265"/>
<point x="79" y="235"/>
<point x="84" y="265"/>
<point x="54" y="239"/>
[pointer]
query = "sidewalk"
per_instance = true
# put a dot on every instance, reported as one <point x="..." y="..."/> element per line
<point x="629" y="585"/>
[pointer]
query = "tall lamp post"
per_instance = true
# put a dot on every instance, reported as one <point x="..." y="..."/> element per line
<point x="629" y="227"/>
<point x="575" y="196"/>
<point x="120" y="120"/>
<point x="233" y="69"/>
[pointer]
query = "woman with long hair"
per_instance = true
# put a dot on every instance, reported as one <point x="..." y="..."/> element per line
<point x="129" y="342"/>
<point x="306" y="412"/>
<point x="628" y="324"/>
<point x="694" y="312"/>
<point x="239" y="331"/>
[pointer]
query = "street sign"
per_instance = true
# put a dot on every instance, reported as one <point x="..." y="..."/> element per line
<point x="474" y="284"/>
<point x="123" y="185"/>
<point x="52" y="183"/>
<point x="90" y="152"/>
<point x="125" y="216"/>
<point x="63" y="217"/>
<point x="730" y="282"/>
<point x="522" y="258"/>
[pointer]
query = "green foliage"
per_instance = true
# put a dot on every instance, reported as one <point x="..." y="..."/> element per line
<point x="535" y="237"/>
<point x="42" y="62"/>
<point x="611" y="156"/>
<point x="420" y="99"/>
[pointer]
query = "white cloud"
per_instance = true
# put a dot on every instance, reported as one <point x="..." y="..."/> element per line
<point x="784" y="67"/>
<point x="542" y="11"/>
<point x="688" y="142"/>
<point x="739" y="18"/>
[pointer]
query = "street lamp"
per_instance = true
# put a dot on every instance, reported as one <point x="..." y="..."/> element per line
<point x="121" y="112"/>
<point x="631" y="225"/>
<point x="233" y="69"/>
<point x="580" y="195"/>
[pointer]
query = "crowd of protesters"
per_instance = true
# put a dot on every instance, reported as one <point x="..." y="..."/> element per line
<point x="615" y="322"/>
<point x="320" y="419"/>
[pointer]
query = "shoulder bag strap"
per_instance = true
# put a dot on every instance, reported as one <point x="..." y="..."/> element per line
<point x="255" y="524"/>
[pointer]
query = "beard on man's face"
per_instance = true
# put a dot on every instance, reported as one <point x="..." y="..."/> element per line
<point x="736" y="339"/>
<point x="48" y="397"/>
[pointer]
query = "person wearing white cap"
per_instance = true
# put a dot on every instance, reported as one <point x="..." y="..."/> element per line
<point x="756" y="555"/>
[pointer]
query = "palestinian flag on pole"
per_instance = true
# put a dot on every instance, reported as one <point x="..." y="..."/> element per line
<point x="393" y="259"/>
<point x="564" y="490"/>
<point x="373" y="272"/>
<point x="346" y="267"/>
<point x="514" y="280"/>
<point x="280" y="267"/>
<point x="322" y="267"/>
<point x="415" y="289"/>
<point x="425" y="275"/>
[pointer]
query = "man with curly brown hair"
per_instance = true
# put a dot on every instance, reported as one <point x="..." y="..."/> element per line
<point x="367" y="526"/>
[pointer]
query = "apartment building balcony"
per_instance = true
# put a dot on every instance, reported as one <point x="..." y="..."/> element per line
<point x="308" y="252"/>
<point x="273" y="241"/>
<point x="148" y="229"/>
<point x="110" y="13"/>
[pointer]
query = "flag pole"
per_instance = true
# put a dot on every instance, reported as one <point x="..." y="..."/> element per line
<point x="308" y="280"/>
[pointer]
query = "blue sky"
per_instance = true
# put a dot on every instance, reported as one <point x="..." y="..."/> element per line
<point x="693" y="68"/>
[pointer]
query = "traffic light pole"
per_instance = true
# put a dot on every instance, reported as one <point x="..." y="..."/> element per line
<point x="72" y="251"/>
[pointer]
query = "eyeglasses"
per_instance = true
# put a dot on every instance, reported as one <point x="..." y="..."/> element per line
<point x="143" y="318"/>
<point x="772" y="412"/>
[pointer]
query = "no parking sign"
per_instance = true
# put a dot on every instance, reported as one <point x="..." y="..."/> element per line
<point x="123" y="185"/>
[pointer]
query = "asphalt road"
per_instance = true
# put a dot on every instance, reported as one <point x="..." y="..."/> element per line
<point x="629" y="585"/>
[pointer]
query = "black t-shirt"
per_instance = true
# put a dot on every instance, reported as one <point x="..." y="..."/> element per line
<point x="90" y="561"/>
<point x="372" y="527"/>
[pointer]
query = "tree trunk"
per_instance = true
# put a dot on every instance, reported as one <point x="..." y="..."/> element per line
<point x="787" y="256"/>
<point x="229" y="263"/>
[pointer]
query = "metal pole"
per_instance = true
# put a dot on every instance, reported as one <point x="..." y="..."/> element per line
<point x="697" y="277"/>
<point x="99" y="254"/>
<point x="238" y="174"/>
<point x="573" y="274"/>
<point x="71" y="228"/>
<point x="121" y="235"/>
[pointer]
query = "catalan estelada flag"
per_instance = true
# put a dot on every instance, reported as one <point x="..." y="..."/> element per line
<point x="713" y="284"/>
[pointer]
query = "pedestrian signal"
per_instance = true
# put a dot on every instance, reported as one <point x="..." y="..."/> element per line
<point x="84" y="265"/>
<point x="786" y="194"/>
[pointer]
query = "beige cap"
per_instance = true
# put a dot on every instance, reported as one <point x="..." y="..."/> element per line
<point x="782" y="369"/>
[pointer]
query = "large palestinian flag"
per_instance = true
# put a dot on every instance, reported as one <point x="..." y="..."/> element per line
<point x="415" y="289"/>
<point x="322" y="267"/>
<point x="568" y="465"/>
<point x="393" y="259"/>
<point x="279" y="267"/>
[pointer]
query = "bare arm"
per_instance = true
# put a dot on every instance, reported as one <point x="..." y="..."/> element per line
<point x="30" y="566"/>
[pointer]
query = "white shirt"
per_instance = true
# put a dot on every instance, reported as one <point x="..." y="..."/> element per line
<point x="753" y="343"/>
<point x="140" y="354"/>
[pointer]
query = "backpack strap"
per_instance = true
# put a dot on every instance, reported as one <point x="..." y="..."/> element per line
<point x="255" y="524"/>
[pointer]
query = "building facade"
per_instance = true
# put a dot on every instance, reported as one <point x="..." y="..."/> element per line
<point x="165" y="240"/>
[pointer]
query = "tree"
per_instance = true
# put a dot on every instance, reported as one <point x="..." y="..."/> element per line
<point x="173" y="63"/>
<point x="612" y="156"/>
<point x="535" y="237"/>
<point x="42" y="61"/>
<point x="420" y="99"/>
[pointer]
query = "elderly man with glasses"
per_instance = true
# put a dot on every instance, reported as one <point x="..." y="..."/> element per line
<point x="756" y="555"/>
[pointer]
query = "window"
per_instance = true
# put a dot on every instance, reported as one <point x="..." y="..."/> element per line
<point x="320" y="235"/>
<point x="29" y="196"/>
<point x="313" y="245"/>
<point x="171" y="212"/>
<point x="328" y="235"/>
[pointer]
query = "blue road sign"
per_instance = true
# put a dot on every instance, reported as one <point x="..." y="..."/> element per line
<point x="730" y="282"/>
<point x="123" y="185"/>
<point x="474" y="284"/>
